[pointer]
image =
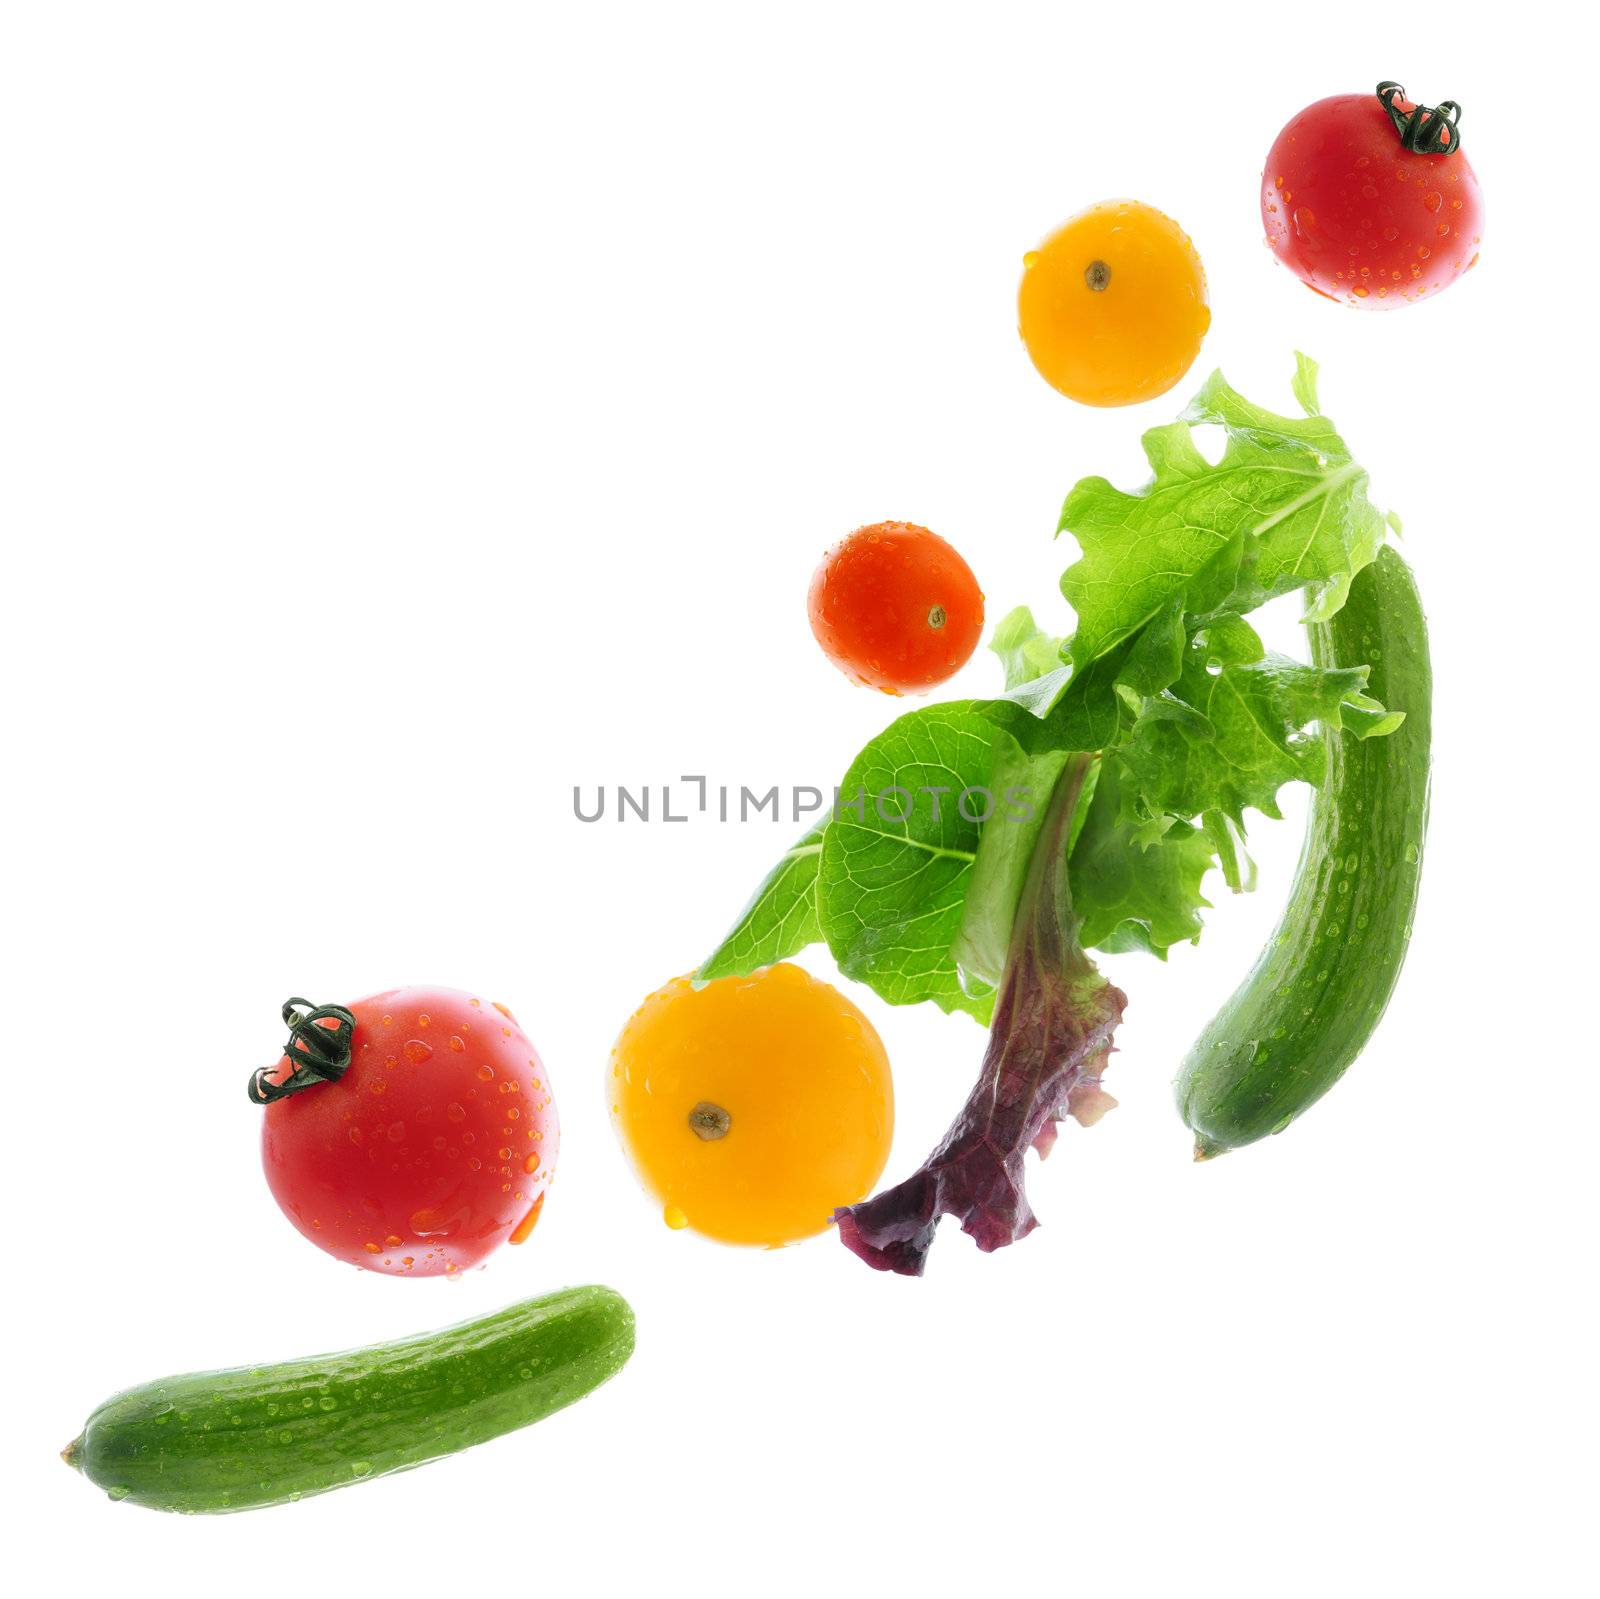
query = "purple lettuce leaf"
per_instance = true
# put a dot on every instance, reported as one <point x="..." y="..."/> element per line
<point x="1048" y="1046"/>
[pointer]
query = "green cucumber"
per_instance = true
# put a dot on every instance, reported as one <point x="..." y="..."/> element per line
<point x="234" y="1440"/>
<point x="1320" y="987"/>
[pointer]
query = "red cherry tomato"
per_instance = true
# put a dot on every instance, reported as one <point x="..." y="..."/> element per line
<point x="895" y="608"/>
<point x="433" y="1148"/>
<point x="1361" y="218"/>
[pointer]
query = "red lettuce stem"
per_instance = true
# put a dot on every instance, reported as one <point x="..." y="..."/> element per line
<point x="1048" y="1045"/>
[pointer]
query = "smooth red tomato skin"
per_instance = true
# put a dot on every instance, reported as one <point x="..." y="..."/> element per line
<point x="416" y="1161"/>
<point x="1361" y="219"/>
<point x="895" y="608"/>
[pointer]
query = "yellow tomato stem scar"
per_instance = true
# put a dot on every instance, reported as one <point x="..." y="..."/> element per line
<point x="709" y="1121"/>
<point x="936" y="617"/>
<point x="1097" y="275"/>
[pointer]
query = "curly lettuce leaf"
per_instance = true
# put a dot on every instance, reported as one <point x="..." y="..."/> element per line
<point x="1133" y="891"/>
<point x="1025" y="650"/>
<point x="1284" y="508"/>
<point x="1229" y="734"/>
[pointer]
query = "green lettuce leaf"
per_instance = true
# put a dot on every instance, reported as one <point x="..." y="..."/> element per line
<point x="1284" y="508"/>
<point x="898" y="856"/>
<point x="781" y="918"/>
<point x="1229" y="734"/>
<point x="1025" y="650"/>
<point x="1134" y="892"/>
<point x="1005" y="847"/>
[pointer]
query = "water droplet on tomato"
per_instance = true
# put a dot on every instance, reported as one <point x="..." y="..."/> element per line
<point x="397" y="1131"/>
<point x="528" y="1223"/>
<point x="456" y="1113"/>
<point x="1361" y="293"/>
<point x="531" y="1164"/>
<point x="486" y="1073"/>
<point x="372" y="1249"/>
<point x="456" y="1044"/>
<point x="1433" y="199"/>
<point x="674" y="1218"/>
<point x="1391" y="233"/>
<point x="504" y="1012"/>
<point x="416" y="1051"/>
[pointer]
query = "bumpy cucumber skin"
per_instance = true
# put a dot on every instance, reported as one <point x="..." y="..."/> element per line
<point x="236" y="1440"/>
<point x="1321" y="985"/>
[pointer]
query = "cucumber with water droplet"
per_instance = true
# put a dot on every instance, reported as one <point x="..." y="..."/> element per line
<point x="217" y="1441"/>
<point x="1321" y="985"/>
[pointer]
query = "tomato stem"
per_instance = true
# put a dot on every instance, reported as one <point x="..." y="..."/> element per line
<point x="319" y="1052"/>
<point x="1425" y="130"/>
<point x="1097" y="275"/>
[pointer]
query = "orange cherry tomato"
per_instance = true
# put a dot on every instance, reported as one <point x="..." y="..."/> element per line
<point x="1112" y="306"/>
<point x="895" y="608"/>
<point x="754" y="1107"/>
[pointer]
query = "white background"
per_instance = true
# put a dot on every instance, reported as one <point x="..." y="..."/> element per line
<point x="410" y="412"/>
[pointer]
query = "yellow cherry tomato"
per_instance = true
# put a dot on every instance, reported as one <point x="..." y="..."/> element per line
<point x="1112" y="305"/>
<point x="754" y="1107"/>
